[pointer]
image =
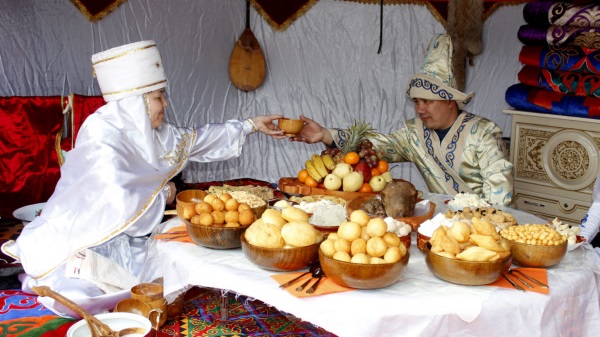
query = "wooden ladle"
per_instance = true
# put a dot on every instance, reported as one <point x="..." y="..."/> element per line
<point x="97" y="328"/>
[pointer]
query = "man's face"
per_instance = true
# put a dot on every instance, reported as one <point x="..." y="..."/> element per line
<point x="436" y="115"/>
<point x="158" y="103"/>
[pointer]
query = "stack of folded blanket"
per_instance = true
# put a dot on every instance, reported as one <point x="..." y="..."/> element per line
<point x="561" y="59"/>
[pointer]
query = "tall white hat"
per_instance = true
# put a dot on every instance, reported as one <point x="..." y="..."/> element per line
<point x="129" y="70"/>
<point x="435" y="80"/>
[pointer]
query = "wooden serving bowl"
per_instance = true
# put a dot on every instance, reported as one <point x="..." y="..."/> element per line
<point x="537" y="255"/>
<point x="465" y="272"/>
<point x="281" y="259"/>
<point x="363" y="276"/>
<point x="359" y="201"/>
<point x="422" y="239"/>
<point x="188" y="198"/>
<point x="215" y="237"/>
<point x="291" y="127"/>
<point x="133" y="306"/>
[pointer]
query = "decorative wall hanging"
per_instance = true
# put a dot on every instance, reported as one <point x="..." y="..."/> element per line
<point x="95" y="10"/>
<point x="281" y="14"/>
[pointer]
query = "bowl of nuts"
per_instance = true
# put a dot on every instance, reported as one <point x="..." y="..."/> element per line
<point x="535" y="245"/>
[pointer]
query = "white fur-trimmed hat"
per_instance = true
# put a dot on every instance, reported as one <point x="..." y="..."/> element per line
<point x="129" y="70"/>
<point x="435" y="80"/>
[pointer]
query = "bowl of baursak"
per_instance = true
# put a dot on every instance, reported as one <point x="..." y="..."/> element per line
<point x="467" y="254"/>
<point x="214" y="221"/>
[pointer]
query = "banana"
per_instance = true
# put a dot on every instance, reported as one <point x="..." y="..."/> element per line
<point x="328" y="161"/>
<point x="312" y="171"/>
<point x="318" y="162"/>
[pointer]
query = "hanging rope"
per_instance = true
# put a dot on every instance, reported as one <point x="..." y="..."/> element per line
<point x="380" y="26"/>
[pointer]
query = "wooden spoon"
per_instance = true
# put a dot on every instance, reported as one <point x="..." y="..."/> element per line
<point x="247" y="65"/>
<point x="97" y="328"/>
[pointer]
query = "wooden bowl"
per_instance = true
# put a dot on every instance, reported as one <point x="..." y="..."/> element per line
<point x="147" y="292"/>
<point x="422" y="239"/>
<point x="281" y="259"/>
<point x="215" y="237"/>
<point x="537" y="255"/>
<point x="291" y="127"/>
<point x="133" y="306"/>
<point x="188" y="198"/>
<point x="465" y="272"/>
<point x="363" y="276"/>
<point x="359" y="201"/>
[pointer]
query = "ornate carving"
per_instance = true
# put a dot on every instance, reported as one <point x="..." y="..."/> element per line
<point x="570" y="160"/>
<point x="529" y="156"/>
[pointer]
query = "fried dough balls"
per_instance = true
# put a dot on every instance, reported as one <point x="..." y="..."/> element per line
<point x="223" y="210"/>
<point x="367" y="242"/>
<point x="264" y="235"/>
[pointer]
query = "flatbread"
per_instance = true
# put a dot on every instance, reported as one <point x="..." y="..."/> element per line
<point x="319" y="197"/>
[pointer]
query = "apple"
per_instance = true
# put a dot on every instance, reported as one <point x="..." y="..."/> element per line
<point x="352" y="182"/>
<point x="377" y="183"/>
<point x="387" y="176"/>
<point x="332" y="182"/>
<point x="364" y="169"/>
<point x="342" y="169"/>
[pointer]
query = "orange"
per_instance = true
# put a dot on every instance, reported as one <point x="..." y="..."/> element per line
<point x="375" y="172"/>
<point x="302" y="174"/>
<point x="351" y="158"/>
<point x="365" y="188"/>
<point x="309" y="181"/>
<point x="382" y="166"/>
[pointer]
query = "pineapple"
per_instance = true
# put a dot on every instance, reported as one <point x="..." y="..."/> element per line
<point x="354" y="135"/>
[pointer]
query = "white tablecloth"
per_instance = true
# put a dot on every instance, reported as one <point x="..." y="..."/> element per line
<point x="418" y="305"/>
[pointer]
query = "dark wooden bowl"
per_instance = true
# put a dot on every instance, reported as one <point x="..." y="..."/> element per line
<point x="281" y="259"/>
<point x="536" y="255"/>
<point x="359" y="201"/>
<point x="363" y="276"/>
<point x="465" y="272"/>
<point x="216" y="237"/>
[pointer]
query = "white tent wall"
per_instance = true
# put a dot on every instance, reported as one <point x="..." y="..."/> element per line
<point x="325" y="66"/>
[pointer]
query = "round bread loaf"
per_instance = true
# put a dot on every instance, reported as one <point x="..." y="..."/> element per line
<point x="264" y="235"/>
<point x="273" y="217"/>
<point x="299" y="234"/>
<point x="294" y="214"/>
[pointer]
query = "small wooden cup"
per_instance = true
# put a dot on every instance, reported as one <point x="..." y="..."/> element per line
<point x="158" y="313"/>
<point x="133" y="306"/>
<point x="147" y="292"/>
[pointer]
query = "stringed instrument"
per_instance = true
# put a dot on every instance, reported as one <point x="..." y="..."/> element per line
<point x="247" y="65"/>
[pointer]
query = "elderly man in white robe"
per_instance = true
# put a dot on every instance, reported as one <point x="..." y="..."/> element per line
<point x="89" y="243"/>
<point x="455" y="150"/>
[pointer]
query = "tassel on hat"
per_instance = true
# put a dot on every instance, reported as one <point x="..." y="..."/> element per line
<point x="435" y="80"/>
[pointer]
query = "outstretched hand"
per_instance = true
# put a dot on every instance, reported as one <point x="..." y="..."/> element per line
<point x="312" y="133"/>
<point x="264" y="124"/>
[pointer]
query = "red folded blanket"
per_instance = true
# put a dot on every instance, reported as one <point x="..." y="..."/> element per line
<point x="566" y="82"/>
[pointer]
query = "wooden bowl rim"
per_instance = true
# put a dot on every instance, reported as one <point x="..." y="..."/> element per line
<point x="407" y="256"/>
<point x="216" y="228"/>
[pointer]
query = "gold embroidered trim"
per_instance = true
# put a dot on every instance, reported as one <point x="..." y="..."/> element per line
<point x="134" y="89"/>
<point x="101" y="14"/>
<point x="281" y="27"/>
<point x="123" y="54"/>
<point x="130" y="221"/>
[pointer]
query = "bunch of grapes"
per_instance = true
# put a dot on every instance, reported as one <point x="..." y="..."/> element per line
<point x="367" y="153"/>
<point x="332" y="151"/>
